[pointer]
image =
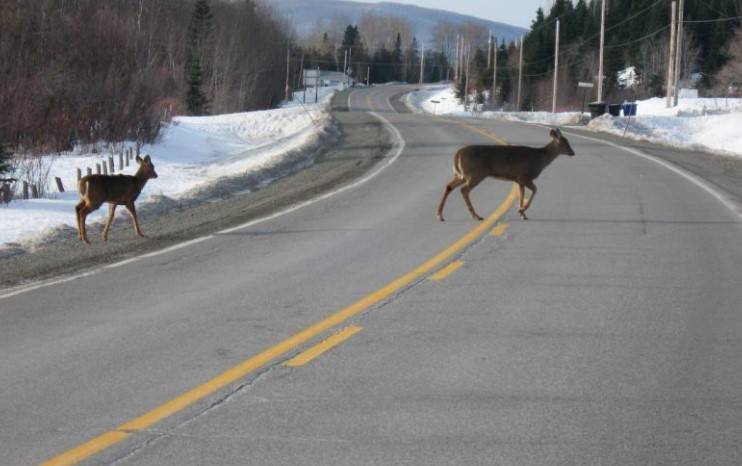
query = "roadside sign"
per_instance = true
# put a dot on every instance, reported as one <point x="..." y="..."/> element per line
<point x="311" y="77"/>
<point x="585" y="85"/>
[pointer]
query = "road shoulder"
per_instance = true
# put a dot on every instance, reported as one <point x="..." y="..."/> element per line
<point x="362" y="143"/>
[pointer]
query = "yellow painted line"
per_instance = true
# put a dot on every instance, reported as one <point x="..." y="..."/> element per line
<point x="106" y="440"/>
<point x="446" y="271"/>
<point x="484" y="132"/>
<point x="317" y="350"/>
<point x="500" y="229"/>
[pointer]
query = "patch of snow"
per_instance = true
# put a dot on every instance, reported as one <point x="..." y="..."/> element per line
<point x="627" y="78"/>
<point x="711" y="124"/>
<point x="191" y="154"/>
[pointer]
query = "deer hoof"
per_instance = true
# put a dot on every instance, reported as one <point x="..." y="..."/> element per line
<point x="440" y="217"/>
<point x="478" y="218"/>
<point x="522" y="214"/>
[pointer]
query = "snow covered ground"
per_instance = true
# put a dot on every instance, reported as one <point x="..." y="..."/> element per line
<point x="191" y="154"/>
<point x="710" y="124"/>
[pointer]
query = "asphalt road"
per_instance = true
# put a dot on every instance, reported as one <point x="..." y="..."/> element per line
<point x="605" y="330"/>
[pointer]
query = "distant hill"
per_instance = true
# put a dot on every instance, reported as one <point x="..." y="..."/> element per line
<point x="303" y="15"/>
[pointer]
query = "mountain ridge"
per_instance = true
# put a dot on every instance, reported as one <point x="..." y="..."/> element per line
<point x="304" y="14"/>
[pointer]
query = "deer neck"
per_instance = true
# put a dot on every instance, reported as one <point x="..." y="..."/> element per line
<point x="551" y="151"/>
<point x="141" y="179"/>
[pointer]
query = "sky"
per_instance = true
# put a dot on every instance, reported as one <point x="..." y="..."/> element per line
<point x="515" y="12"/>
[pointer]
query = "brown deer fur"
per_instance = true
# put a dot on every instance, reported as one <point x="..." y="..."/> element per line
<point x="115" y="190"/>
<point x="520" y="164"/>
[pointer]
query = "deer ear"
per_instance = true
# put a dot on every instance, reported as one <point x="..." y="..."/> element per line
<point x="554" y="134"/>
<point x="138" y="159"/>
<point x="147" y="158"/>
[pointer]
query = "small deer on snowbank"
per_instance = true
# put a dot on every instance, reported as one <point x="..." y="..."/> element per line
<point x="115" y="190"/>
<point x="520" y="164"/>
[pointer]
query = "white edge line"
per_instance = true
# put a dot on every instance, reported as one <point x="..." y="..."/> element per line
<point x="400" y="146"/>
<point x="696" y="180"/>
<point x="725" y="200"/>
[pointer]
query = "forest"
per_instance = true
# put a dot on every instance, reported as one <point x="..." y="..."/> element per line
<point x="637" y="35"/>
<point x="82" y="71"/>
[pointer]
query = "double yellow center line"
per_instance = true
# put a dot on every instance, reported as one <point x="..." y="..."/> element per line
<point x="245" y="368"/>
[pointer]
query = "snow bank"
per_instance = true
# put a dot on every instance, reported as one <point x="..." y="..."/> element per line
<point x="192" y="154"/>
<point x="710" y="124"/>
<point x="425" y="101"/>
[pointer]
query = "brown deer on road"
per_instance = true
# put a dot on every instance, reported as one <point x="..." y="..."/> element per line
<point x="520" y="164"/>
<point x="115" y="190"/>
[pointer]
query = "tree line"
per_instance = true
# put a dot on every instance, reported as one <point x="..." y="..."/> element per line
<point x="637" y="34"/>
<point x="390" y="59"/>
<point x="83" y="71"/>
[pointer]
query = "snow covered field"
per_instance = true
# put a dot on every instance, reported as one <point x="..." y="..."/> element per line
<point x="710" y="124"/>
<point x="191" y="154"/>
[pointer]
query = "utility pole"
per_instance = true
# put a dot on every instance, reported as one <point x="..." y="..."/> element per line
<point x="489" y="50"/>
<point x="303" y="80"/>
<point x="602" y="44"/>
<point x="316" y="87"/>
<point x="466" y="78"/>
<point x="556" y="70"/>
<point x="671" y="63"/>
<point x="459" y="57"/>
<point x="422" y="62"/>
<point x="494" y="75"/>
<point x="679" y="51"/>
<point x="520" y="74"/>
<point x="350" y="64"/>
<point x="288" y="74"/>
<point x="345" y="67"/>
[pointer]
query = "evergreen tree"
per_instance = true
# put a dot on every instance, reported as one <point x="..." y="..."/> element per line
<point x="397" y="59"/>
<point x="412" y="62"/>
<point x="4" y="160"/>
<point x="198" y="41"/>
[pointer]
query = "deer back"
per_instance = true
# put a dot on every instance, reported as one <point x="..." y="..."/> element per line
<point x="504" y="162"/>
<point x="115" y="189"/>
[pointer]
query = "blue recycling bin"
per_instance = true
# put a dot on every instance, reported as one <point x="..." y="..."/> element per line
<point x="629" y="109"/>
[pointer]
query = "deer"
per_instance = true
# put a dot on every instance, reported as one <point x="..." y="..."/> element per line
<point x="116" y="190"/>
<point x="521" y="164"/>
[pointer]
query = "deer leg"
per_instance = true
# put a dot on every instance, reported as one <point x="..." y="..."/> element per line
<point x="78" y="210"/>
<point x="533" y="189"/>
<point x="84" y="211"/>
<point x="453" y="184"/>
<point x="133" y="212"/>
<point x="470" y="184"/>
<point x="111" y="212"/>
<point x="522" y="210"/>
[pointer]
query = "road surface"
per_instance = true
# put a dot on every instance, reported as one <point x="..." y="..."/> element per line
<point x="605" y="330"/>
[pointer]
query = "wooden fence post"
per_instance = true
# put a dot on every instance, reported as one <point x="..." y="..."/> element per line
<point x="60" y="186"/>
<point x="97" y="169"/>
<point x="7" y="193"/>
<point x="79" y="174"/>
<point x="90" y="171"/>
<point x="34" y="191"/>
<point x="25" y="190"/>
<point x="111" y="166"/>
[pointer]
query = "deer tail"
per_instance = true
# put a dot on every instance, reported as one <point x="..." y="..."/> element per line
<point x="82" y="186"/>
<point x="457" y="167"/>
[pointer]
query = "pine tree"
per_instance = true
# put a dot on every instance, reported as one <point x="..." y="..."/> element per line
<point x="397" y="59"/>
<point x="4" y="160"/>
<point x="199" y="32"/>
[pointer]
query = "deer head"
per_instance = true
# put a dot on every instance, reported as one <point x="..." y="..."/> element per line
<point x="146" y="168"/>
<point x="561" y="142"/>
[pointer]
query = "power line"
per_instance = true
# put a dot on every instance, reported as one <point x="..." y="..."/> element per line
<point x="717" y="20"/>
